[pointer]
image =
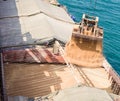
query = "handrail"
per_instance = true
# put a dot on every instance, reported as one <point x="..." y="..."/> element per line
<point x="61" y="50"/>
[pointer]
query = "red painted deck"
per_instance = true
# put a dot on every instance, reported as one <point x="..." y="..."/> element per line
<point x="33" y="55"/>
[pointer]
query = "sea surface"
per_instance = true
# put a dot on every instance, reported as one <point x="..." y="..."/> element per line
<point x="108" y="12"/>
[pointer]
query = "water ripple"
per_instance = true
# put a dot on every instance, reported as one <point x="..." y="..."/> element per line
<point x="109" y="14"/>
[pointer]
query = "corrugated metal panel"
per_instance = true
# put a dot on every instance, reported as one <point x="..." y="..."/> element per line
<point x="34" y="80"/>
<point x="33" y="55"/>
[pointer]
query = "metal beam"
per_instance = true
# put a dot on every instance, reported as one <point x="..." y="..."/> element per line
<point x="2" y="80"/>
<point x="71" y="67"/>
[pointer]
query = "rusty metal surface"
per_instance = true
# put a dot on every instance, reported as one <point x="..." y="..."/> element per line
<point x="111" y="71"/>
<point x="84" y="52"/>
<point x="32" y="55"/>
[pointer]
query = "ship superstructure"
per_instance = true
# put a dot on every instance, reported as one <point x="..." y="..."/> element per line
<point x="89" y="28"/>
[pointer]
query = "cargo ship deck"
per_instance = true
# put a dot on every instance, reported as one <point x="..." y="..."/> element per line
<point x="34" y="80"/>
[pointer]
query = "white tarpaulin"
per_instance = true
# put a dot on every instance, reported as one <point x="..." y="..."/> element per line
<point x="11" y="8"/>
<point x="22" y="23"/>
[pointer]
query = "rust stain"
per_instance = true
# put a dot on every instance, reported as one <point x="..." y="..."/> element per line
<point x="41" y="55"/>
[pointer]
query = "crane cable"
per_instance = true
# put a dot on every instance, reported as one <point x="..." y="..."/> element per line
<point x="94" y="3"/>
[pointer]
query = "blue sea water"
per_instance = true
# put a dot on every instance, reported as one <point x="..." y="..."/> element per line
<point x="108" y="12"/>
